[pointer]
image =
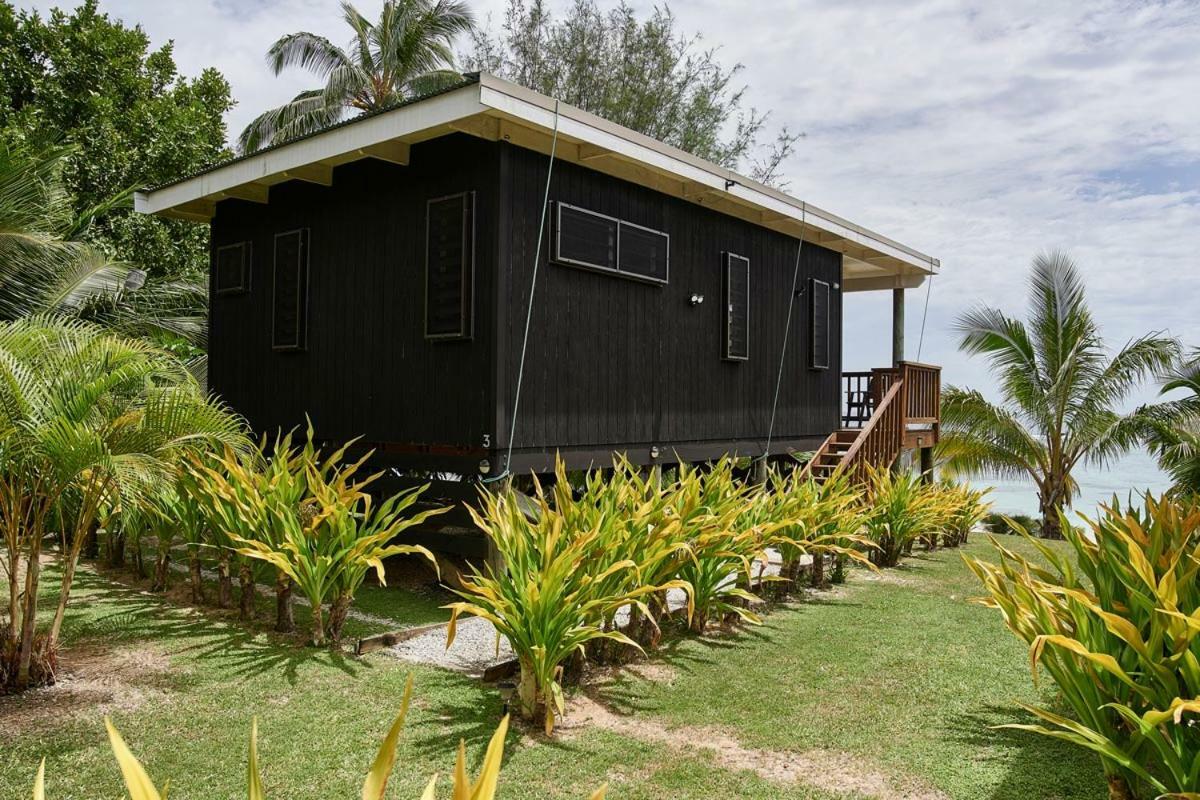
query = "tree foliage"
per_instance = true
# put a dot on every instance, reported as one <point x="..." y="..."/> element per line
<point x="1061" y="387"/>
<point x="1171" y="429"/>
<point x="85" y="80"/>
<point x="640" y="73"/>
<point x="405" y="53"/>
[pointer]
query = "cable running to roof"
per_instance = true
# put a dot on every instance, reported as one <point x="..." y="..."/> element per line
<point x="787" y="325"/>
<point x="537" y="257"/>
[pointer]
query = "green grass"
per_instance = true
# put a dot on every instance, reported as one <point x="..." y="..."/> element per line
<point x="901" y="673"/>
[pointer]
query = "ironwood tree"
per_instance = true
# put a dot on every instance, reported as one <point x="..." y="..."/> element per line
<point x="641" y="73"/>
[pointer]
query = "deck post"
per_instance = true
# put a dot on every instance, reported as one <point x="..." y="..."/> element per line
<point x="897" y="326"/>
<point x="927" y="464"/>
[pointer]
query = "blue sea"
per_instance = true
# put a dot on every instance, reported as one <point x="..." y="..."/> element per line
<point x="1135" y="472"/>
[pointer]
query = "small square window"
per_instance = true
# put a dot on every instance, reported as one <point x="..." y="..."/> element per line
<point x="231" y="274"/>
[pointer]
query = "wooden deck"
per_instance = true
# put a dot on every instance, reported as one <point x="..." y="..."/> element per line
<point x="885" y="411"/>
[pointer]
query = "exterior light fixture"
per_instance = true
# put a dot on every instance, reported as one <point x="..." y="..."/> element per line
<point x="485" y="467"/>
<point x="697" y="299"/>
<point x="654" y="452"/>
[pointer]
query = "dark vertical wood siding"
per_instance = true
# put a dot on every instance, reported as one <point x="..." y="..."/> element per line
<point x="613" y="361"/>
<point x="367" y="368"/>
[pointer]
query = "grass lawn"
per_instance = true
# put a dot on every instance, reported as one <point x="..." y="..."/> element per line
<point x="887" y="685"/>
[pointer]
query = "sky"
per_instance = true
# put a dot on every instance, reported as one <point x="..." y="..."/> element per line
<point x="980" y="133"/>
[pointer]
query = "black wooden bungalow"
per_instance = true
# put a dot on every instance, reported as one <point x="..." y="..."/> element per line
<point x="377" y="276"/>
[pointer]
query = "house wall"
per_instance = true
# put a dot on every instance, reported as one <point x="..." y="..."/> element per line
<point x="616" y="362"/>
<point x="368" y="369"/>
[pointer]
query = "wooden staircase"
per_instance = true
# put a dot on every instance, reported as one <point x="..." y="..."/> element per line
<point x="904" y="405"/>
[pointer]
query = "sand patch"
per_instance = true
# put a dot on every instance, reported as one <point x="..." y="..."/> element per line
<point x="826" y="770"/>
<point x="95" y="680"/>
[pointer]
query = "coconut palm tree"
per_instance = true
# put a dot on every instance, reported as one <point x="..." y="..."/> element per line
<point x="90" y="422"/>
<point x="46" y="268"/>
<point x="1061" y="390"/>
<point x="406" y="53"/>
<point x="1172" y="428"/>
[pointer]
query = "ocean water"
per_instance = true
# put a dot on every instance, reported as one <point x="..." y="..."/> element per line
<point x="1135" y="472"/>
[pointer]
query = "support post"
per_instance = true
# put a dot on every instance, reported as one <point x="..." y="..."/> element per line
<point x="897" y="326"/>
<point x="927" y="464"/>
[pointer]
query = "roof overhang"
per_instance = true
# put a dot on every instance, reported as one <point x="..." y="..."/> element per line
<point x="496" y="109"/>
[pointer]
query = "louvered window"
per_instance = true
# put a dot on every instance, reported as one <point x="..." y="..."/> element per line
<point x="289" y="302"/>
<point x="449" y="266"/>
<point x="232" y="273"/>
<point x="643" y="252"/>
<point x="596" y="241"/>
<point x="737" y="307"/>
<point x="585" y="238"/>
<point x="819" y="340"/>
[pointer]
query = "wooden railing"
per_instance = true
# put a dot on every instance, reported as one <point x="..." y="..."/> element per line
<point x="881" y="439"/>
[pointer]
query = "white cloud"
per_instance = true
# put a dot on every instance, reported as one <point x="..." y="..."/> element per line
<point x="980" y="133"/>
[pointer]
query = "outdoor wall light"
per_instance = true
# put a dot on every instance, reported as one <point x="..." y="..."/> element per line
<point x="485" y="467"/>
<point x="697" y="299"/>
<point x="654" y="452"/>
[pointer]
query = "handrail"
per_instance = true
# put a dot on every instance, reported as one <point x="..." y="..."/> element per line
<point x="883" y="412"/>
<point x="806" y="470"/>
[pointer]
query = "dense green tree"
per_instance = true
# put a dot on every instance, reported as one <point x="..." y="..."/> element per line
<point x="641" y="73"/>
<point x="1060" y="385"/>
<point x="83" y="79"/>
<point x="405" y="53"/>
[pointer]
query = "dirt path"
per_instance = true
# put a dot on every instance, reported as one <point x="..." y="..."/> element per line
<point x="826" y="770"/>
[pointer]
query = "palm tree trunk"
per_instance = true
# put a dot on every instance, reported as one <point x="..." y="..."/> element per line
<point x="29" y="610"/>
<point x="337" y="616"/>
<point x="1050" y="503"/>
<point x="818" y="570"/>
<point x="162" y="568"/>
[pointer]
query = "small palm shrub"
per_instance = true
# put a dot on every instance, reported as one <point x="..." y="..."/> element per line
<point x="484" y="787"/>
<point x="823" y="520"/>
<point x="1114" y="621"/>
<point x="899" y="509"/>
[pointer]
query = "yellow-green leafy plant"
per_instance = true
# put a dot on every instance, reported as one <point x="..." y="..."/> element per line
<point x="313" y="520"/>
<point x="821" y="519"/>
<point x="899" y="508"/>
<point x="1115" y="621"/>
<point x="727" y="535"/>
<point x="967" y="508"/>
<point x="484" y="787"/>
<point x="552" y="594"/>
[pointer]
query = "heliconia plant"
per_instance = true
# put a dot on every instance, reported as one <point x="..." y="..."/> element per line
<point x="1115" y="621"/>
<point x="484" y="787"/>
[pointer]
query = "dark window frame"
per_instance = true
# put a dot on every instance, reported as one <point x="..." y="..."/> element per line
<point x="814" y="362"/>
<point x="301" y="342"/>
<point x="556" y="250"/>
<point x="247" y="248"/>
<point x="727" y="259"/>
<point x="466" y="329"/>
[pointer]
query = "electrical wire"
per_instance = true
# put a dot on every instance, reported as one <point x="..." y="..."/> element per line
<point x="924" y="315"/>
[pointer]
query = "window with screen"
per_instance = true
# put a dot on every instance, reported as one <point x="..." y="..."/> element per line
<point x="449" y="266"/>
<point x="585" y="238"/>
<point x="642" y="252"/>
<point x="289" y="303"/>
<point x="232" y="272"/>
<point x="737" y="307"/>
<point x="819" y="339"/>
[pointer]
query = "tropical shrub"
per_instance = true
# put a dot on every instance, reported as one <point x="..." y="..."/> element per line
<point x="899" y="509"/>
<point x="967" y="508"/>
<point x="558" y="584"/>
<point x="1115" y="621"/>
<point x="824" y="520"/>
<point x="89" y="421"/>
<point x="311" y="518"/>
<point x="140" y="787"/>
